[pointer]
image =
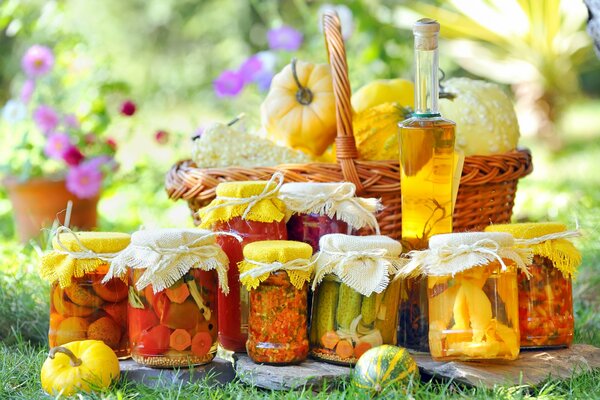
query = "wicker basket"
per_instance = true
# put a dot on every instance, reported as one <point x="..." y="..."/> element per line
<point x="487" y="187"/>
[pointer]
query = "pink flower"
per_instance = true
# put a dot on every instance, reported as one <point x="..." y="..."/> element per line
<point x="250" y="68"/>
<point x="37" y="61"/>
<point x="161" y="137"/>
<point x="128" y="108"/>
<point x="89" y="138"/>
<point x="46" y="118"/>
<point x="84" y="180"/>
<point x="72" y="156"/>
<point x="228" y="84"/>
<point x="56" y="145"/>
<point x="284" y="38"/>
<point x="112" y="143"/>
<point x="27" y="90"/>
<point x="71" y="121"/>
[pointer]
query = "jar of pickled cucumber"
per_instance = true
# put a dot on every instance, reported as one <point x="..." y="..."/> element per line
<point x="356" y="296"/>
<point x="472" y="293"/>
<point x="174" y="276"/>
<point x="545" y="297"/>
<point x="82" y="306"/>
<point x="277" y="274"/>
<point x="317" y="209"/>
<point x="252" y="211"/>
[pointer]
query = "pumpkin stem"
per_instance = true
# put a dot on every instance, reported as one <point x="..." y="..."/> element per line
<point x="75" y="362"/>
<point x="303" y="95"/>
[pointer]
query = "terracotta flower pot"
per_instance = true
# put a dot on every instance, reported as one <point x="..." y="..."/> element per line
<point x="38" y="202"/>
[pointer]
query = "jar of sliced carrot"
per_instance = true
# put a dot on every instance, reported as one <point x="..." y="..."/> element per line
<point x="545" y="297"/>
<point x="174" y="277"/>
<point x="356" y="296"/>
<point x="252" y="211"/>
<point x="277" y="274"/>
<point x="81" y="305"/>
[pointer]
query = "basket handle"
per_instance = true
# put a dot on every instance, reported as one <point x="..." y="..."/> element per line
<point x="346" y="152"/>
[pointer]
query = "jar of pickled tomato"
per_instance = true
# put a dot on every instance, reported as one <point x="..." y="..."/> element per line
<point x="545" y="297"/>
<point x="252" y="211"/>
<point x="277" y="275"/>
<point x="356" y="296"/>
<point x="82" y="306"/>
<point x="472" y="293"/>
<point x="174" y="277"/>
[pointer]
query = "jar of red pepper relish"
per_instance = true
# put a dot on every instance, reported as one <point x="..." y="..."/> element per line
<point x="251" y="210"/>
<point x="172" y="309"/>
<point x="276" y="273"/>
<point x="317" y="209"/>
<point x="545" y="298"/>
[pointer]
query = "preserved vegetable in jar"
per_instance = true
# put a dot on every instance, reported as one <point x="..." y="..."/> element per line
<point x="545" y="298"/>
<point x="472" y="293"/>
<point x="276" y="274"/>
<point x="174" y="277"/>
<point x="252" y="211"/>
<point x="413" y="314"/>
<point x="356" y="297"/>
<point x="317" y="209"/>
<point x="81" y="305"/>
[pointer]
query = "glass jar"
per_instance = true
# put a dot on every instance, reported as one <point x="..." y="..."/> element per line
<point x="233" y="315"/>
<point x="473" y="315"/>
<point x="175" y="327"/>
<point x="89" y="309"/>
<point x="278" y="320"/>
<point x="545" y="306"/>
<point x="413" y="325"/>
<point x="309" y="228"/>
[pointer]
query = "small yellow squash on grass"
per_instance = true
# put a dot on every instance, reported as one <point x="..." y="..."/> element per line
<point x="79" y="366"/>
<point x="299" y="110"/>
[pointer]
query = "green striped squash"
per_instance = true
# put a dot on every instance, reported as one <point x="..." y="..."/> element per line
<point x="383" y="366"/>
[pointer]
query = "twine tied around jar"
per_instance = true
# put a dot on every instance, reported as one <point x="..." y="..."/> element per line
<point x="550" y="236"/>
<point x="341" y="202"/>
<point x="253" y="272"/>
<point x="250" y="201"/>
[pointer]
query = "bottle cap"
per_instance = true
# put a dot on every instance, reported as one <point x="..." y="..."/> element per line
<point x="426" y="31"/>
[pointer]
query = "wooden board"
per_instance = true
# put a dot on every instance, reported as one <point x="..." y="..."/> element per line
<point x="532" y="367"/>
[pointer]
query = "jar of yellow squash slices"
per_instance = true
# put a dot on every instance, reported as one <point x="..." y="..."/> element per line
<point x="472" y="294"/>
<point x="82" y="306"/>
<point x="545" y="298"/>
<point x="356" y="297"/>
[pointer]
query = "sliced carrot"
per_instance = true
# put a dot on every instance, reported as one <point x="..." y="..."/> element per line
<point x="361" y="348"/>
<point x="149" y="294"/>
<point x="180" y="339"/>
<point x="330" y="339"/>
<point x="178" y="293"/>
<point x="201" y="343"/>
<point x="344" y="349"/>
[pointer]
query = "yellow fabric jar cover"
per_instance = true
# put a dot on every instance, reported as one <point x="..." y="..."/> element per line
<point x="76" y="253"/>
<point x="263" y="258"/>
<point x="251" y="200"/>
<point x="546" y="239"/>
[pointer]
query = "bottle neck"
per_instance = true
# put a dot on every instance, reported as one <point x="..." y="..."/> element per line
<point x="426" y="82"/>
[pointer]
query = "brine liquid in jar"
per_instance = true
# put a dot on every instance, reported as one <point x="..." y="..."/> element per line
<point x="234" y="307"/>
<point x="413" y="314"/>
<point x="474" y="315"/>
<point x="545" y="306"/>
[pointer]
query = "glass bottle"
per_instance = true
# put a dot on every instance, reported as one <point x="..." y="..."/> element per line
<point x="427" y="170"/>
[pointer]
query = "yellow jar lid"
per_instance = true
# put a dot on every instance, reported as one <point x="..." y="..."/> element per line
<point x="528" y="230"/>
<point x="270" y="251"/>
<point x="98" y="242"/>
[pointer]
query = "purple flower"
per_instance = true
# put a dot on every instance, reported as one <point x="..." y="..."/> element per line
<point x="37" y="61"/>
<point x="128" y="108"/>
<point x="56" y="145"/>
<point x="27" y="90"/>
<point x="228" y="84"/>
<point x="71" y="121"/>
<point x="99" y="161"/>
<point x="46" y="118"/>
<point x="84" y="180"/>
<point x="263" y="80"/>
<point x="284" y="38"/>
<point x="72" y="156"/>
<point x="251" y="68"/>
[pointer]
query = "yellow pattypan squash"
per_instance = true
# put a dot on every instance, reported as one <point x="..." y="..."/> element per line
<point x="299" y="110"/>
<point x="79" y="366"/>
<point x="381" y="91"/>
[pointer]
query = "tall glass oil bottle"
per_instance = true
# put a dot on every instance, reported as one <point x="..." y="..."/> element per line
<point x="427" y="171"/>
